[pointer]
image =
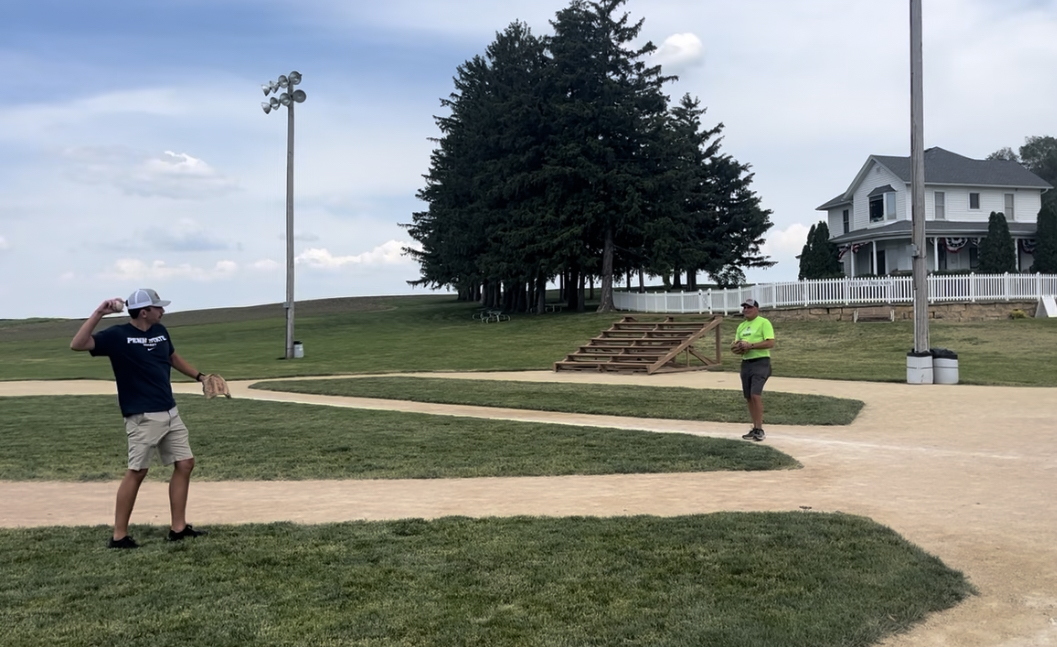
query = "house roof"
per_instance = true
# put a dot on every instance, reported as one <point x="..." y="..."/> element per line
<point x="903" y="230"/>
<point x="836" y="201"/>
<point x="945" y="168"/>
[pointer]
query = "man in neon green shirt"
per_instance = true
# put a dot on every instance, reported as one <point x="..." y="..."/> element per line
<point x="753" y="342"/>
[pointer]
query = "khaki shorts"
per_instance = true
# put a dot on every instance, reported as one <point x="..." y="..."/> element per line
<point x="161" y="433"/>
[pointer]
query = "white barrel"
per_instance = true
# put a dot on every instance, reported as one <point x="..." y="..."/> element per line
<point x="945" y="370"/>
<point x="919" y="369"/>
<point x="299" y="349"/>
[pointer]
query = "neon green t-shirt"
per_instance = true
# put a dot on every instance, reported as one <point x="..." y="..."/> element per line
<point x="756" y="330"/>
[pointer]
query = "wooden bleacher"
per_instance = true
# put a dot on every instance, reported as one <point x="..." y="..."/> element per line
<point x="635" y="344"/>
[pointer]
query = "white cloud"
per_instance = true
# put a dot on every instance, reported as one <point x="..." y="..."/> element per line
<point x="185" y="235"/>
<point x="265" y="265"/>
<point x="141" y="271"/>
<point x="172" y="175"/>
<point x="390" y="252"/>
<point x="4" y="245"/>
<point x="787" y="243"/>
<point x="679" y="52"/>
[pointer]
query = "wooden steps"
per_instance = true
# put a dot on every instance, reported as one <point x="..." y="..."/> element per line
<point x="651" y="346"/>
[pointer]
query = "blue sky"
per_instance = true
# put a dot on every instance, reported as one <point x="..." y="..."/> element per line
<point x="133" y="150"/>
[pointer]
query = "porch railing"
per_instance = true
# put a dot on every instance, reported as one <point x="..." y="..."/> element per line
<point x="846" y="291"/>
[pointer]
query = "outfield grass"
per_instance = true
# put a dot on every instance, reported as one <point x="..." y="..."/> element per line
<point x="434" y="332"/>
<point x="708" y="580"/>
<point x="619" y="400"/>
<point x="82" y="438"/>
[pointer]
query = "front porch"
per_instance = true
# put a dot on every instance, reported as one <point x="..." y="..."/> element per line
<point x="950" y="247"/>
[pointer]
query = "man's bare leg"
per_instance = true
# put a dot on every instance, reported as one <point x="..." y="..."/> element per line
<point x="126" y="500"/>
<point x="179" y="485"/>
<point x="756" y="410"/>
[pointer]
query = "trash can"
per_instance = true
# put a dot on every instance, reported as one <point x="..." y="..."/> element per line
<point x="299" y="349"/>
<point x="944" y="366"/>
<point x="919" y="367"/>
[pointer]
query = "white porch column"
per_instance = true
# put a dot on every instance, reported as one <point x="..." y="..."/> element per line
<point x="936" y="255"/>
<point x="873" y="251"/>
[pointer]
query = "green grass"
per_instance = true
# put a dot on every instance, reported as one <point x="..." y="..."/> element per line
<point x="620" y="400"/>
<point x="718" y="580"/>
<point x="435" y="332"/>
<point x="82" y="438"/>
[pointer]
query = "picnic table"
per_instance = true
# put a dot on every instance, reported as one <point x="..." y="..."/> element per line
<point x="490" y="315"/>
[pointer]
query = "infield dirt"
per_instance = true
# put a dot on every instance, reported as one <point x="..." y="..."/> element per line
<point x="966" y="472"/>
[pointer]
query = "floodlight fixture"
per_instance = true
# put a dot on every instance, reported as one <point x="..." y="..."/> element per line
<point x="294" y="78"/>
<point x="284" y="99"/>
<point x="299" y="96"/>
<point x="266" y="106"/>
<point x="283" y="81"/>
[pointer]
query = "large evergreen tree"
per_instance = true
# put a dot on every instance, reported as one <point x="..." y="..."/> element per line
<point x="483" y="188"/>
<point x="997" y="252"/>
<point x="1046" y="241"/>
<point x="609" y="109"/>
<point x="559" y="157"/>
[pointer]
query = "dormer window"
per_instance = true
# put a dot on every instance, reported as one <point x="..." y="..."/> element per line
<point x="882" y="204"/>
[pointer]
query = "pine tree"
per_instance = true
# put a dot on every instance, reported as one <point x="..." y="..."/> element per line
<point x="607" y="104"/>
<point x="997" y="252"/>
<point x="1046" y="241"/>
<point x="807" y="256"/>
<point x="819" y="260"/>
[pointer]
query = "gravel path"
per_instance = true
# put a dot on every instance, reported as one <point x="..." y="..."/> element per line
<point x="966" y="472"/>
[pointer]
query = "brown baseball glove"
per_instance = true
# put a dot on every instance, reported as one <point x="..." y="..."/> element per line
<point x="214" y="385"/>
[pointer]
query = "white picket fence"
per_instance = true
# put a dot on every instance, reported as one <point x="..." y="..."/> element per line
<point x="846" y="291"/>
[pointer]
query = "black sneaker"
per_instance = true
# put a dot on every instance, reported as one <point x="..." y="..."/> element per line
<point x="124" y="543"/>
<point x="751" y="435"/>
<point x="759" y="436"/>
<point x="185" y="533"/>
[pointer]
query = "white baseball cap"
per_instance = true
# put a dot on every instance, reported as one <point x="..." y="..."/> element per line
<point x="144" y="297"/>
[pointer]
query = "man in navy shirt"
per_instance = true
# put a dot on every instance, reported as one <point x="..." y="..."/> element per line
<point x="141" y="354"/>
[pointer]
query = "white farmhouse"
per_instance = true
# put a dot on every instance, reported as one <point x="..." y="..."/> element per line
<point x="871" y="223"/>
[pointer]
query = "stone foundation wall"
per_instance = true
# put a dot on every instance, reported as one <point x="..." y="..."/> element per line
<point x="959" y="312"/>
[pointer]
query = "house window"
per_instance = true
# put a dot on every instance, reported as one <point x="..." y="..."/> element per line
<point x="890" y="206"/>
<point x="1009" y="207"/>
<point x="847" y="221"/>
<point x="941" y="206"/>
<point x="974" y="200"/>
<point x="877" y="209"/>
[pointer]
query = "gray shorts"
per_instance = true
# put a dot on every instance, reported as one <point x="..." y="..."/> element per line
<point x="754" y="374"/>
<point x="161" y="433"/>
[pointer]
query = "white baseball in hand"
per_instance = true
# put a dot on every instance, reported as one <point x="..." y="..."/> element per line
<point x="117" y="305"/>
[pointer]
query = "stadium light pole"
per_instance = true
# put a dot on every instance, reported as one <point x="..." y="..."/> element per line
<point x="288" y="99"/>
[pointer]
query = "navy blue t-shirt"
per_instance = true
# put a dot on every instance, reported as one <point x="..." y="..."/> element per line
<point x="141" y="362"/>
